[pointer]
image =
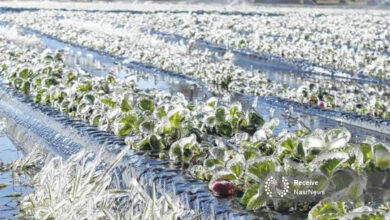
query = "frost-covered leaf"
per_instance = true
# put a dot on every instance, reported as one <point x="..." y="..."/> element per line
<point x="125" y="106"/>
<point x="327" y="210"/>
<point x="382" y="156"/>
<point x="146" y="105"/>
<point x="108" y="102"/>
<point x="328" y="166"/>
<point x="366" y="149"/>
<point x="212" y="102"/>
<point x="250" y="192"/>
<point x="176" y="119"/>
<point x="220" y="114"/>
<point x="225" y="129"/>
<point x="257" y="201"/>
<point x="236" y="165"/>
<point x="213" y="162"/>
<point x="261" y="168"/>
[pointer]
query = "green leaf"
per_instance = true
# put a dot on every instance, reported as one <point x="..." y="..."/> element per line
<point x="176" y="120"/>
<point x="17" y="83"/>
<point x="370" y="216"/>
<point x="2" y="185"/>
<point x="342" y="179"/>
<point x="255" y="119"/>
<point x="129" y="119"/>
<point x="125" y="106"/>
<point x="328" y="166"/>
<point x="70" y="78"/>
<point x="50" y="82"/>
<point x="58" y="56"/>
<point x="300" y="151"/>
<point x="212" y="102"/>
<point x="161" y="112"/>
<point x="250" y="154"/>
<point x="86" y="87"/>
<point x="125" y="130"/>
<point x="262" y="169"/>
<point x="249" y="193"/>
<point x="96" y="120"/>
<point x="225" y="129"/>
<point x="37" y="82"/>
<point x="366" y="149"/>
<point x="289" y="144"/>
<point x="220" y="114"/>
<point x="147" y="126"/>
<point x="234" y="111"/>
<point x="212" y="162"/>
<point x="24" y="73"/>
<point x="381" y="156"/>
<point x="236" y="169"/>
<point x="256" y="202"/>
<point x="146" y="105"/>
<point x="3" y="67"/>
<point x="327" y="210"/>
<point x="26" y="87"/>
<point x="187" y="155"/>
<point x="176" y="151"/>
<point x="155" y="143"/>
<point x="111" y="79"/>
<point x="109" y="102"/>
<point x="229" y="176"/>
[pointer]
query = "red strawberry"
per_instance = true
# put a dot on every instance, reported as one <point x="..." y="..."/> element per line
<point x="322" y="104"/>
<point x="222" y="187"/>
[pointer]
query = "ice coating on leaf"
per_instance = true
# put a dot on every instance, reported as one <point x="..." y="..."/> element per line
<point x="382" y="155"/>
<point x="289" y="142"/>
<point x="326" y="208"/>
<point x="218" y="152"/>
<point x="236" y="165"/>
<point x="235" y="107"/>
<point x="289" y="164"/>
<point x="212" y="102"/>
<point x="259" y="135"/>
<point x="282" y="134"/>
<point x="359" y="157"/>
<point x="241" y="136"/>
<point x="312" y="141"/>
<point x="365" y="212"/>
<point x="349" y="186"/>
<point x="328" y="163"/>
<point x="337" y="138"/>
<point x="328" y="156"/>
<point x="183" y="149"/>
<point x="271" y="124"/>
<point x="259" y="168"/>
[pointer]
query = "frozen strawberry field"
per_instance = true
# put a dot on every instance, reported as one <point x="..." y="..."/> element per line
<point x="148" y="111"/>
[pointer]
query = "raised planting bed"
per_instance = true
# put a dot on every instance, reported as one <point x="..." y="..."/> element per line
<point x="234" y="151"/>
<point x="31" y="125"/>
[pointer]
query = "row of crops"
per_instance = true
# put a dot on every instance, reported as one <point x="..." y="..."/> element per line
<point x="232" y="148"/>
<point x="130" y="41"/>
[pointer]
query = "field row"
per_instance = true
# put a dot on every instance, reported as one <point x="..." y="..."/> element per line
<point x="218" y="69"/>
<point x="353" y="42"/>
<point x="215" y="140"/>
